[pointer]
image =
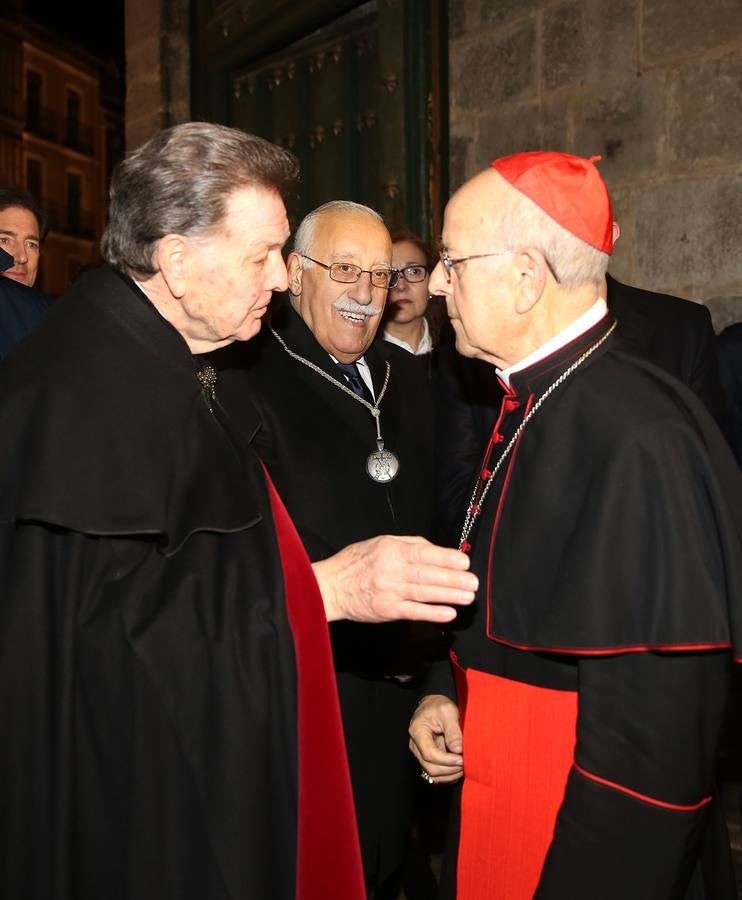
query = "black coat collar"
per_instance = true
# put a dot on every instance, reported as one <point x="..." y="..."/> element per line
<point x="118" y="437"/>
<point x="537" y="378"/>
<point x="299" y="338"/>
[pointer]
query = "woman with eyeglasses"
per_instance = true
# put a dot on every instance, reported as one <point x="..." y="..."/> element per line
<point x="412" y="319"/>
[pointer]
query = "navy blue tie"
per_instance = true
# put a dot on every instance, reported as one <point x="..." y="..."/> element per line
<point x="353" y="377"/>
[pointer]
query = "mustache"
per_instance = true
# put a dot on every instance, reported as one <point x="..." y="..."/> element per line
<point x="350" y="306"/>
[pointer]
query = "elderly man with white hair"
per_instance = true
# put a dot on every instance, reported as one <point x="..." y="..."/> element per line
<point x="171" y="728"/>
<point x="346" y="435"/>
<point x="585" y="698"/>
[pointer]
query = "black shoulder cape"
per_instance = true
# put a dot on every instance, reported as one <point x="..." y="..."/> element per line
<point x="154" y="696"/>
<point x="616" y="522"/>
<point x="146" y="466"/>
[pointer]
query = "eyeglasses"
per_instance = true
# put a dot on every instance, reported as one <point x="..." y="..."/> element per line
<point x="348" y="273"/>
<point x="449" y="263"/>
<point x="414" y="273"/>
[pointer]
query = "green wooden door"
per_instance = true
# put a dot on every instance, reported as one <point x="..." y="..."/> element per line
<point x="352" y="89"/>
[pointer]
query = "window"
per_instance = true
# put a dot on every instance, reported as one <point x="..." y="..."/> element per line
<point x="33" y="177"/>
<point x="73" y="117"/>
<point x="33" y="99"/>
<point x="74" y="200"/>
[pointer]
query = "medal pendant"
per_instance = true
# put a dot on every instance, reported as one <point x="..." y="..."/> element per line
<point x="382" y="465"/>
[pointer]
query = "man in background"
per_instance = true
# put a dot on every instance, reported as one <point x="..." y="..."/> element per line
<point x="326" y="396"/>
<point x="22" y="231"/>
<point x="20" y="308"/>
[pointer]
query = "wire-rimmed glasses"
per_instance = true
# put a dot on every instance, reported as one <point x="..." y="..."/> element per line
<point x="348" y="273"/>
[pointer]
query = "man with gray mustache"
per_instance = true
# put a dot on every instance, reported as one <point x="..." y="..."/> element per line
<point x="346" y="437"/>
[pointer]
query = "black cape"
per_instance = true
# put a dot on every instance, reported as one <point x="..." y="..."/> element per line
<point x="730" y="371"/>
<point x="148" y="677"/>
<point x="609" y="551"/>
<point x="676" y="335"/>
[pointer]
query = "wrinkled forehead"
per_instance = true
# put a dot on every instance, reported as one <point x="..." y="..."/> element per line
<point x="350" y="234"/>
<point x="474" y="211"/>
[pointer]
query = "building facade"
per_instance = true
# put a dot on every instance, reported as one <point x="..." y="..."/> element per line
<point x="651" y="85"/>
<point x="61" y="132"/>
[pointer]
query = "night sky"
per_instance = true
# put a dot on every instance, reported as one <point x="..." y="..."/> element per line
<point x="97" y="25"/>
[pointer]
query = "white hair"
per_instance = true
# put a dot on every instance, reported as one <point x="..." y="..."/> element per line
<point x="573" y="261"/>
<point x="305" y="232"/>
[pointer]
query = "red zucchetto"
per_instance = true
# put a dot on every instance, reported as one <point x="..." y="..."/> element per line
<point x="569" y="189"/>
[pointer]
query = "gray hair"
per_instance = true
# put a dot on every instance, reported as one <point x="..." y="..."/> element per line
<point x="180" y="182"/>
<point x="573" y="261"/>
<point x="305" y="232"/>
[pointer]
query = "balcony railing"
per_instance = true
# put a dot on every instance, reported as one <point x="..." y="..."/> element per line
<point x="42" y="122"/>
<point x="78" y="223"/>
<point x="81" y="224"/>
<point x="79" y="137"/>
<point x="11" y="104"/>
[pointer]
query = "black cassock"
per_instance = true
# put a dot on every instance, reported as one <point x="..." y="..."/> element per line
<point x="154" y="676"/>
<point x="609" y="552"/>
<point x="314" y="440"/>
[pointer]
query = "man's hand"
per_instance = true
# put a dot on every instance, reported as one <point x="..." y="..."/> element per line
<point x="435" y="738"/>
<point x="388" y="578"/>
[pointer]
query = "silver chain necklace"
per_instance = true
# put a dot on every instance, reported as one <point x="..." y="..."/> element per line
<point x="475" y="506"/>
<point x="382" y="465"/>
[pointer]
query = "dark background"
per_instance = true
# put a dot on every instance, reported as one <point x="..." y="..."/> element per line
<point x="98" y="25"/>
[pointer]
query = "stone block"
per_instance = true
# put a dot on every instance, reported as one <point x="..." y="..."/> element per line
<point x="518" y="127"/>
<point x="705" y="112"/>
<point x="610" y="40"/>
<point x="623" y="124"/>
<point x="142" y="19"/>
<point x="143" y="95"/>
<point x="623" y="259"/>
<point x="143" y="56"/>
<point x="725" y="310"/>
<point x="142" y="128"/>
<point x="687" y="234"/>
<point x="493" y="68"/>
<point x="585" y="41"/>
<point x="497" y="12"/>
<point x="463" y="16"/>
<point x="673" y="29"/>
<point x="564" y="59"/>
<point x="458" y="157"/>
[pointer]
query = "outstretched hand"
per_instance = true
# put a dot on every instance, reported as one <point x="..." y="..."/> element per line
<point x="388" y="578"/>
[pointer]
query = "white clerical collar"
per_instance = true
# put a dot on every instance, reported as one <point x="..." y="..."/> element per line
<point x="363" y="371"/>
<point x="584" y="323"/>
<point x="425" y="345"/>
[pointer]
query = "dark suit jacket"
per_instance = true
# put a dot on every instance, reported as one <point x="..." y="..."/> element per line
<point x="20" y="309"/>
<point x="730" y="370"/>
<point x="672" y="333"/>
<point x="314" y="440"/>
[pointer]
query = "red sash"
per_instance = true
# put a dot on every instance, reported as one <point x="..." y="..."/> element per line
<point x="519" y="745"/>
<point x="328" y="865"/>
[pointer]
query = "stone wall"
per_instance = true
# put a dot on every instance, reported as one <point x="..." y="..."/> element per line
<point x="157" y="67"/>
<point x="655" y="86"/>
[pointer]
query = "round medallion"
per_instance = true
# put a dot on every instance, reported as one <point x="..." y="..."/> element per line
<point x="382" y="465"/>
